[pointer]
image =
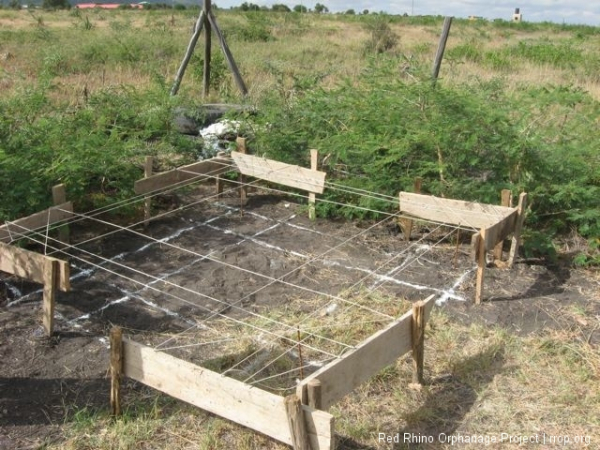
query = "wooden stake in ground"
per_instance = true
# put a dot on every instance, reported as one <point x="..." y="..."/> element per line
<point x="148" y="201"/>
<point x="59" y="196"/>
<point x="51" y="277"/>
<point x="312" y="215"/>
<point x="295" y="416"/>
<point x="418" y="341"/>
<point x="505" y="200"/>
<point x="481" y="263"/>
<point x="408" y="223"/>
<point x="116" y="369"/>
<point x="241" y="147"/>
<point x="516" y="240"/>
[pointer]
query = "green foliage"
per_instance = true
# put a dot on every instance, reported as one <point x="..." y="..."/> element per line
<point x="465" y="141"/>
<point x="96" y="149"/>
<point x="381" y="36"/>
<point x="257" y="29"/>
<point x="300" y="9"/>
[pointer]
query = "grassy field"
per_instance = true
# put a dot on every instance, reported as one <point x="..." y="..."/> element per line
<point x="85" y="98"/>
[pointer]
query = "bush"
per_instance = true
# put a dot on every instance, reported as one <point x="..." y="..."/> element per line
<point x="382" y="38"/>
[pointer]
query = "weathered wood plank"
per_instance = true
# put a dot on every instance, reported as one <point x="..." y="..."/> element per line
<point x="500" y="230"/>
<point x="226" y="397"/>
<point x="20" y="227"/>
<point x="516" y="240"/>
<point x="452" y="212"/>
<point x="344" y="374"/>
<point x="210" y="168"/>
<point x="31" y="265"/>
<point x="281" y="173"/>
<point x="50" y="275"/>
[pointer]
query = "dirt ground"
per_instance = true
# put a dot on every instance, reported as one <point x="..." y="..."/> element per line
<point x="211" y="261"/>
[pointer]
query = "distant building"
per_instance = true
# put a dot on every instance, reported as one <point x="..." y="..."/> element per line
<point x="475" y="18"/>
<point x="517" y="16"/>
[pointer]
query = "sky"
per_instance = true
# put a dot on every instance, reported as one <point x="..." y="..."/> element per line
<point x="558" y="11"/>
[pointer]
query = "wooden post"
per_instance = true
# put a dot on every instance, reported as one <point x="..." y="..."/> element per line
<point x="437" y="63"/>
<point x="481" y="263"/>
<point x="241" y="147"/>
<point x="516" y="240"/>
<point x="408" y="224"/>
<point x="148" y="201"/>
<point x="116" y="369"/>
<point x="312" y="215"/>
<point x="505" y="200"/>
<point x="314" y="394"/>
<point x="295" y="416"/>
<point x="207" y="48"/>
<point x="51" y="276"/>
<point x="228" y="56"/>
<point x="418" y="340"/>
<point x="188" y="53"/>
<point x="59" y="196"/>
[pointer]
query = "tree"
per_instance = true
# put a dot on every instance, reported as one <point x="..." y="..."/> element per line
<point x="350" y="12"/>
<point x="300" y="9"/>
<point x="319" y="8"/>
<point x="280" y="7"/>
<point x="56" y="4"/>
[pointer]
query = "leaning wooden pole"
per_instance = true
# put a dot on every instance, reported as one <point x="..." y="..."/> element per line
<point x="116" y="369"/>
<point x="437" y="63"/>
<point x="481" y="263"/>
<point x="188" y="53"/>
<point x="207" y="49"/>
<point x="228" y="56"/>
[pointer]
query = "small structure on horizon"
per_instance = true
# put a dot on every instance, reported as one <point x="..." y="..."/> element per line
<point x="517" y="16"/>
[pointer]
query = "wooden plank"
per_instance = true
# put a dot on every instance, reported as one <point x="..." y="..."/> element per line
<point x="31" y="265"/>
<point x="500" y="230"/>
<point x="50" y="275"/>
<point x="452" y="212"/>
<point x="18" y="228"/>
<point x="210" y="167"/>
<point x="246" y="405"/>
<point x="342" y="375"/>
<point x="281" y="173"/>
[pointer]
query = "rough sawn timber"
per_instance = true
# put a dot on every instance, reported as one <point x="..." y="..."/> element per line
<point x="280" y="173"/>
<point x="452" y="212"/>
<point x="31" y="265"/>
<point x="21" y="227"/>
<point x="199" y="171"/>
<point x="226" y="397"/>
<point x="345" y="373"/>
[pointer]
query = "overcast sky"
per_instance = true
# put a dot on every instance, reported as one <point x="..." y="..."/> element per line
<point x="558" y="11"/>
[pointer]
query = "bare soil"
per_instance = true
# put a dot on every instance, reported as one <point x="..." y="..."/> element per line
<point x="152" y="289"/>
